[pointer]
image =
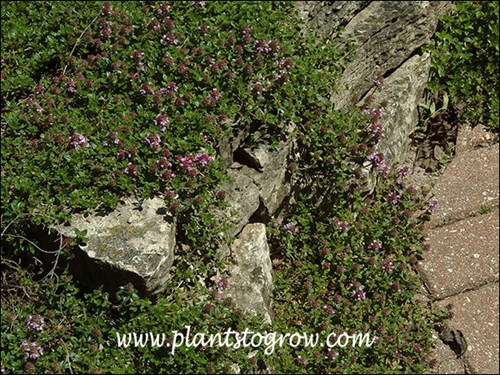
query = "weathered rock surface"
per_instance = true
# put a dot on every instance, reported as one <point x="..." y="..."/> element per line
<point x="402" y="92"/>
<point x="134" y="243"/>
<point x="243" y="199"/>
<point x="251" y="279"/>
<point x="387" y="34"/>
<point x="270" y="175"/>
<point x="326" y="17"/>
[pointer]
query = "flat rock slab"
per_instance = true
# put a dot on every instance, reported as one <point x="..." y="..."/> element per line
<point x="133" y="243"/>
<point x="476" y="315"/>
<point x="251" y="272"/>
<point x="463" y="255"/>
<point x="469" y="183"/>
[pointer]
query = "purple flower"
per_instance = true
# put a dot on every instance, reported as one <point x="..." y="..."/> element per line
<point x="277" y="223"/>
<point x="264" y="46"/>
<point x="153" y="140"/>
<point x="395" y="286"/>
<point x="433" y="204"/>
<point x="170" y="90"/>
<point x="32" y="350"/>
<point x="131" y="169"/>
<point x="291" y="228"/>
<point x="163" y="8"/>
<point x="77" y="140"/>
<point x="383" y="168"/>
<point x="375" y="113"/>
<point x="203" y="159"/>
<point x="258" y="88"/>
<point x="146" y="88"/>
<point x="376" y="131"/>
<point x="344" y="226"/>
<point x="214" y="94"/>
<point x="169" y="39"/>
<point x="403" y="171"/>
<point x="35" y="322"/>
<point x="376" y="158"/>
<point x="377" y="81"/>
<point x="386" y="266"/>
<point x="394" y="197"/>
<point x="330" y="354"/>
<point x="222" y="285"/>
<point x="375" y="245"/>
<point x="137" y="55"/>
<point x="358" y="292"/>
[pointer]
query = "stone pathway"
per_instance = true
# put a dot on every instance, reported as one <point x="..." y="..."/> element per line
<point x="461" y="268"/>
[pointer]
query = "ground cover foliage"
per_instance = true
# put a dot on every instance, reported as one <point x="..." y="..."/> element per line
<point x="102" y="100"/>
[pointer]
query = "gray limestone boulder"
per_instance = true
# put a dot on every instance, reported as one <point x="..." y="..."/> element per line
<point x="386" y="33"/>
<point x="269" y="174"/>
<point x="242" y="196"/>
<point x="251" y="283"/>
<point x="326" y="17"/>
<point x="134" y="243"/>
<point x="402" y="91"/>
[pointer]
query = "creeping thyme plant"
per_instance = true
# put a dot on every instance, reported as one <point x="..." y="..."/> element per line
<point x="465" y="57"/>
<point x="104" y="100"/>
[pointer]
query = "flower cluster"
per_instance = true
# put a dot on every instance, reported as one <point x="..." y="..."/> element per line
<point x="146" y="88"/>
<point x="284" y="65"/>
<point x="222" y="285"/>
<point x="267" y="47"/>
<point x="375" y="245"/>
<point x="377" y="158"/>
<point x="31" y="350"/>
<point x="433" y="204"/>
<point x="290" y="227"/>
<point x="189" y="162"/>
<point x="358" y="291"/>
<point x="402" y="172"/>
<point x="386" y="266"/>
<point x="113" y="137"/>
<point x="35" y="322"/>
<point x="212" y="97"/>
<point x="375" y="127"/>
<point x="258" y="89"/>
<point x="169" y="39"/>
<point x="378" y="81"/>
<point x="131" y="169"/>
<point x="330" y="354"/>
<point x="394" y="197"/>
<point x="77" y="140"/>
<point x="328" y="309"/>
<point x="343" y="226"/>
<point x="153" y="140"/>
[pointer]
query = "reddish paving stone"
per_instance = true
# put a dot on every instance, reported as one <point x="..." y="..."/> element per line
<point x="446" y="360"/>
<point x="462" y="255"/>
<point x="469" y="182"/>
<point x="476" y="315"/>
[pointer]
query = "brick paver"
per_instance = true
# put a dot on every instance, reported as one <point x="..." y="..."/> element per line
<point x="462" y="266"/>
<point x="468" y="183"/>
<point x="463" y="255"/>
<point x="447" y="361"/>
<point x="476" y="315"/>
